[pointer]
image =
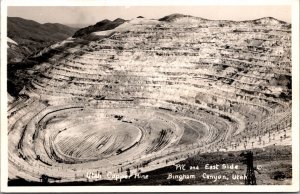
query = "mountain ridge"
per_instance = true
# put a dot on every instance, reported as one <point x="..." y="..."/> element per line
<point x="107" y="24"/>
<point x="174" y="16"/>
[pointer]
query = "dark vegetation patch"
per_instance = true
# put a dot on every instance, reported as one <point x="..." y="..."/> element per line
<point x="172" y="17"/>
<point x="100" y="26"/>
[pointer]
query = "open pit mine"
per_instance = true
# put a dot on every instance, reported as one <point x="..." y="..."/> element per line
<point x="149" y="93"/>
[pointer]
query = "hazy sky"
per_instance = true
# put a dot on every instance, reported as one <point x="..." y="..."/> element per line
<point x="91" y="15"/>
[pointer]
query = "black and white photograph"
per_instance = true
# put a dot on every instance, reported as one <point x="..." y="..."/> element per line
<point x="177" y="96"/>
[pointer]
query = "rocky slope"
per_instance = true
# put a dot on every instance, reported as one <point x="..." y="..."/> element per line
<point x="250" y="56"/>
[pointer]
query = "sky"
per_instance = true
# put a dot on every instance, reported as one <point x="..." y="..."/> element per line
<point x="80" y="15"/>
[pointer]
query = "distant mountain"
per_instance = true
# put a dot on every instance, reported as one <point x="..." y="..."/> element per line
<point x="78" y="26"/>
<point x="32" y="36"/>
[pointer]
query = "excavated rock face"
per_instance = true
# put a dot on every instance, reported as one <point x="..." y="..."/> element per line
<point x="167" y="88"/>
<point x="141" y="56"/>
